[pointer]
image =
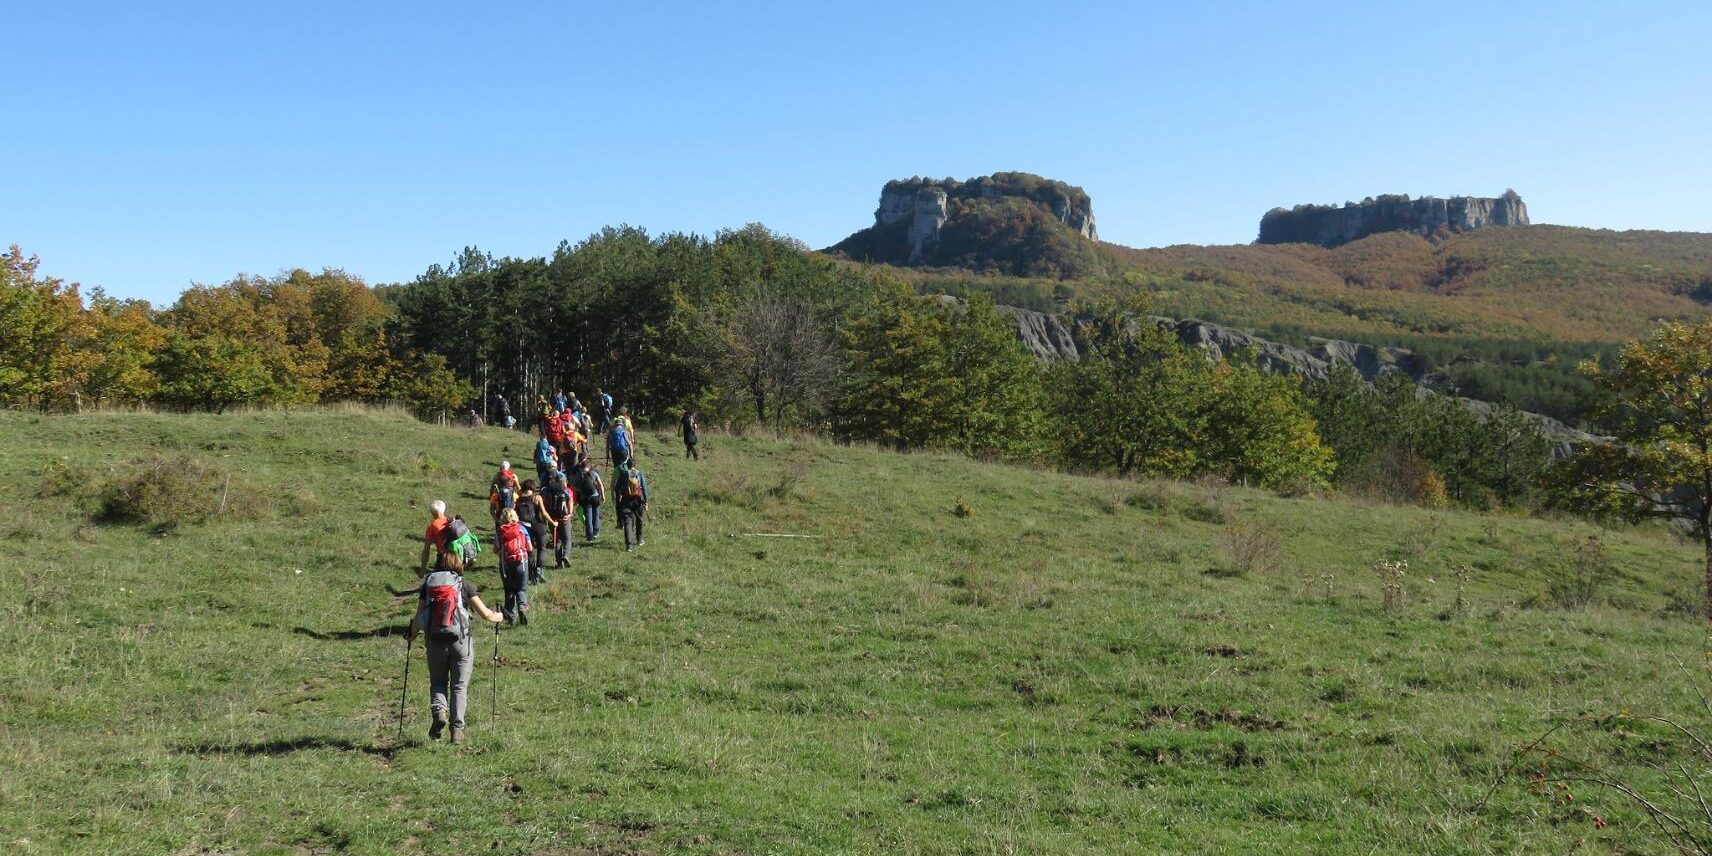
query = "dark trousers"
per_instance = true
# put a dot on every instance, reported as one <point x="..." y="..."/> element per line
<point x="562" y="543"/>
<point x="515" y="576"/>
<point x="537" y="549"/>
<point x="690" y="450"/>
<point x="591" y="521"/>
<point x="630" y="517"/>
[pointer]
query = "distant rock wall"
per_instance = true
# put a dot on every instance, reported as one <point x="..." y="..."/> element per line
<point x="1052" y="337"/>
<point x="1332" y="226"/>
<point x="1013" y="223"/>
<point x="904" y="199"/>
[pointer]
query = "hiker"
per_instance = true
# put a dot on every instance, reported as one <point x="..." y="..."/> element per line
<point x="431" y="537"/>
<point x="502" y="411"/>
<point x="604" y="403"/>
<point x="559" y="500"/>
<point x="474" y="419"/>
<point x="558" y="400"/>
<point x="444" y="602"/>
<point x="619" y="448"/>
<point x="688" y="428"/>
<point x="570" y="436"/>
<point x="457" y="537"/>
<point x="586" y="424"/>
<point x="589" y="492"/>
<point x="532" y="513"/>
<point x="502" y="494"/>
<point x="546" y="456"/>
<point x="624" y="420"/>
<point x="632" y="488"/>
<point x="513" y="540"/>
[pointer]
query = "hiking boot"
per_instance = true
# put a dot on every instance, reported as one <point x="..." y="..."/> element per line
<point x="457" y="736"/>
<point x="640" y="542"/>
<point x="438" y="726"/>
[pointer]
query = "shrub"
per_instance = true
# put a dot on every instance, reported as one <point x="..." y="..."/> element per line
<point x="1254" y="547"/>
<point x="170" y="491"/>
<point x="1575" y="581"/>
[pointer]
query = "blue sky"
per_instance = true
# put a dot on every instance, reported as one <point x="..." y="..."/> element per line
<point x="156" y="145"/>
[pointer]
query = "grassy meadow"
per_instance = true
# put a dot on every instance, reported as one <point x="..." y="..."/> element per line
<point x="959" y="658"/>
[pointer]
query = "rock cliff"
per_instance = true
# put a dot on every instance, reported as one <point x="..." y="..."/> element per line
<point x="1331" y="226"/>
<point x="1009" y="222"/>
<point x="1052" y="337"/>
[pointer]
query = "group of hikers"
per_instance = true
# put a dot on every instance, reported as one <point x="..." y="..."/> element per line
<point x="529" y="515"/>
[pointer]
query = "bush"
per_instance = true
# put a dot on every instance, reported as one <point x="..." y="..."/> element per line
<point x="1254" y="547"/>
<point x="170" y="491"/>
<point x="1575" y="582"/>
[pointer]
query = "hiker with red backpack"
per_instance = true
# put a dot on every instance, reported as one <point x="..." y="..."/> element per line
<point x="514" y="549"/>
<point x="632" y="489"/>
<point x="443" y="605"/>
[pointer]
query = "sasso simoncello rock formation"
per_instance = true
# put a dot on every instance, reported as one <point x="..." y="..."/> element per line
<point x="1331" y="226"/>
<point x="1007" y="222"/>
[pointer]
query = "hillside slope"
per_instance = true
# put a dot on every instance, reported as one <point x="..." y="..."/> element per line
<point x="1070" y="666"/>
<point x="1532" y="282"/>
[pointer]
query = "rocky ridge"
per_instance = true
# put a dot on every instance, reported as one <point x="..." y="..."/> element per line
<point x="1051" y="337"/>
<point x="1015" y="222"/>
<point x="1330" y="226"/>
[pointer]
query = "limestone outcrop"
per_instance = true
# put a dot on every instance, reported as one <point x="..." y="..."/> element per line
<point x="1008" y="222"/>
<point x="1052" y="337"/>
<point x="1428" y="216"/>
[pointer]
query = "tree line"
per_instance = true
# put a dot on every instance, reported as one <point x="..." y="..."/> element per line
<point x="750" y="328"/>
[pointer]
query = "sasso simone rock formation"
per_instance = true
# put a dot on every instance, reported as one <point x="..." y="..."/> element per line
<point x="1007" y="222"/>
<point x="1331" y="226"/>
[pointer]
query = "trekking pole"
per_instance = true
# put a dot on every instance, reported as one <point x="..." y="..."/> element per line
<point x="493" y="715"/>
<point x="404" y="693"/>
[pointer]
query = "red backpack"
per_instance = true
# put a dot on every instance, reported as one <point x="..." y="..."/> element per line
<point x="513" y="545"/>
<point x="442" y="607"/>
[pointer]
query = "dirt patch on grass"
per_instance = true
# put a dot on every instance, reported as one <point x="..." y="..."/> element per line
<point x="1172" y="716"/>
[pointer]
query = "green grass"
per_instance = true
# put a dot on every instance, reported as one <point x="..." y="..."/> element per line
<point x="1072" y="666"/>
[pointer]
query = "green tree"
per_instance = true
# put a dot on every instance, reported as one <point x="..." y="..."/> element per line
<point x="1656" y="399"/>
<point x="39" y="319"/>
<point x="898" y="375"/>
<point x="118" y="351"/>
<point x="213" y="372"/>
<point x="1134" y="401"/>
<point x="1259" y="429"/>
<point x="997" y="405"/>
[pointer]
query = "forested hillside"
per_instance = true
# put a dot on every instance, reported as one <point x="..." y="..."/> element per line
<point x="1500" y="315"/>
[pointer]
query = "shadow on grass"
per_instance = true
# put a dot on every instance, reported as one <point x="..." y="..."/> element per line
<point x="286" y="746"/>
<point x="349" y="635"/>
